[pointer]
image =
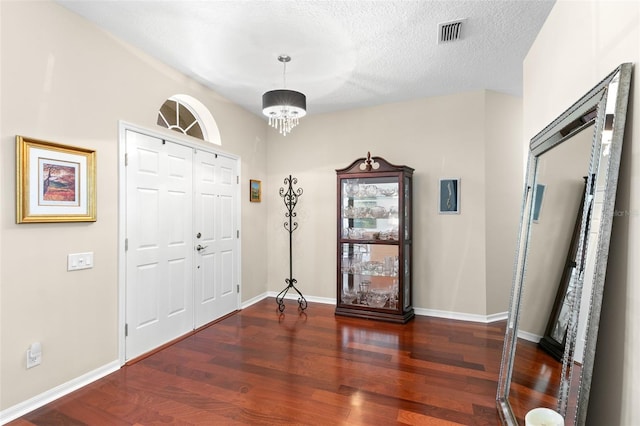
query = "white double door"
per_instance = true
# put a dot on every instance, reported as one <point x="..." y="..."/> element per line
<point x="181" y="230"/>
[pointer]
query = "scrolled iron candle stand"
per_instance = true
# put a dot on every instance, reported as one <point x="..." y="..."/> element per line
<point x="290" y="198"/>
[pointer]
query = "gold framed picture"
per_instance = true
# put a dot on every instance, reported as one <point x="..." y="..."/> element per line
<point x="255" y="191"/>
<point x="54" y="182"/>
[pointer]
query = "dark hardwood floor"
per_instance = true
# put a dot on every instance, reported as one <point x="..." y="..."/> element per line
<point x="261" y="368"/>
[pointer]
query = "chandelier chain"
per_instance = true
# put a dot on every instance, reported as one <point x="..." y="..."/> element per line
<point x="284" y="76"/>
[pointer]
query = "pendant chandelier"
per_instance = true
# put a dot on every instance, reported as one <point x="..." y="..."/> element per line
<point x="284" y="107"/>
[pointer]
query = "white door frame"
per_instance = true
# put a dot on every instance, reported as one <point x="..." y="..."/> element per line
<point x="173" y="137"/>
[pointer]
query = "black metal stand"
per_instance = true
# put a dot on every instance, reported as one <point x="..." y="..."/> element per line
<point x="290" y="197"/>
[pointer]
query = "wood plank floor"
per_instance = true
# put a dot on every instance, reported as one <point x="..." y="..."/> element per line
<point x="261" y="368"/>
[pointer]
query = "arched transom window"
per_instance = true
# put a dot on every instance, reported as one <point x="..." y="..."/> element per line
<point x="187" y="115"/>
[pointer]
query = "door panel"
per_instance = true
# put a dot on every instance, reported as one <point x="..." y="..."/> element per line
<point x="146" y="295"/>
<point x="227" y="244"/>
<point x="227" y="264"/>
<point x="227" y="225"/>
<point x="207" y="279"/>
<point x="178" y="274"/>
<point x="228" y="229"/>
<point x="159" y="261"/>
<point x="215" y="294"/>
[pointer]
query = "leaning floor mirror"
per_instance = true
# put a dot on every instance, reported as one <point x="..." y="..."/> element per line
<point x="561" y="259"/>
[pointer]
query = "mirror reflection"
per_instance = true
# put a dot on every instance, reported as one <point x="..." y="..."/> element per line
<point x="568" y="203"/>
<point x="557" y="195"/>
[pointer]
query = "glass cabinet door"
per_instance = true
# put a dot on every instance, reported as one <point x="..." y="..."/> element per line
<point x="370" y="209"/>
<point x="370" y="255"/>
<point x="370" y="275"/>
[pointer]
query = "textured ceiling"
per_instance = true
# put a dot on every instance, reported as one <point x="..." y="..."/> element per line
<point x="345" y="54"/>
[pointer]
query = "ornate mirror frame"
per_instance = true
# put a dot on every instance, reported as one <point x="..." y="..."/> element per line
<point x="604" y="107"/>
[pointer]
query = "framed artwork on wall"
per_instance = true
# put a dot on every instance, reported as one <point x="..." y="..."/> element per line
<point x="537" y="201"/>
<point x="54" y="182"/>
<point x="255" y="191"/>
<point x="449" y="196"/>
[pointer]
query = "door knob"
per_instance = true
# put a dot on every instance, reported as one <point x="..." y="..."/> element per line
<point x="200" y="247"/>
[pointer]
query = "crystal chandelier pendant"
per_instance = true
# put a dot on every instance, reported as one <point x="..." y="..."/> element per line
<point x="284" y="107"/>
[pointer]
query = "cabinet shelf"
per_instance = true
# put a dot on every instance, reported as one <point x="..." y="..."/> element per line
<point x="374" y="241"/>
<point x="354" y="241"/>
<point x="372" y="274"/>
<point x="374" y="198"/>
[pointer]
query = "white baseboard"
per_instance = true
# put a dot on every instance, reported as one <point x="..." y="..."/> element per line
<point x="461" y="316"/>
<point x="294" y="296"/>
<point x="500" y="316"/>
<point x="529" y="336"/>
<point x="253" y="300"/>
<point x="44" y="398"/>
<point x="290" y="296"/>
<point x="419" y="311"/>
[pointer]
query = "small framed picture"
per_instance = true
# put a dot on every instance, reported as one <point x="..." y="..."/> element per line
<point x="54" y="182"/>
<point x="255" y="191"/>
<point x="449" y="196"/>
<point x="537" y="201"/>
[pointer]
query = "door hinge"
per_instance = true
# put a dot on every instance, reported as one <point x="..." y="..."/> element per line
<point x="238" y="288"/>
<point x="238" y="233"/>
<point x="237" y="179"/>
<point x="126" y="159"/>
<point x="126" y="244"/>
<point x="126" y="330"/>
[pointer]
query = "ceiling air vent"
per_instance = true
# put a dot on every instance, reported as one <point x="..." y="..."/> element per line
<point x="450" y="31"/>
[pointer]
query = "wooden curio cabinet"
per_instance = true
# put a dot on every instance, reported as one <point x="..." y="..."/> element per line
<point x="374" y="240"/>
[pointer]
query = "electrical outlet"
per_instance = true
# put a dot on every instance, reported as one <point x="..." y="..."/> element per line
<point x="77" y="261"/>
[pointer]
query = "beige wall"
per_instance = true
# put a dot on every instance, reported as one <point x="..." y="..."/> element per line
<point x="65" y="81"/>
<point x="504" y="185"/>
<point x="439" y="137"/>
<point x="580" y="43"/>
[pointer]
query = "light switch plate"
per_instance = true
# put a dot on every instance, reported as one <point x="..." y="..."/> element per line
<point x="34" y="355"/>
<point x="77" y="261"/>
